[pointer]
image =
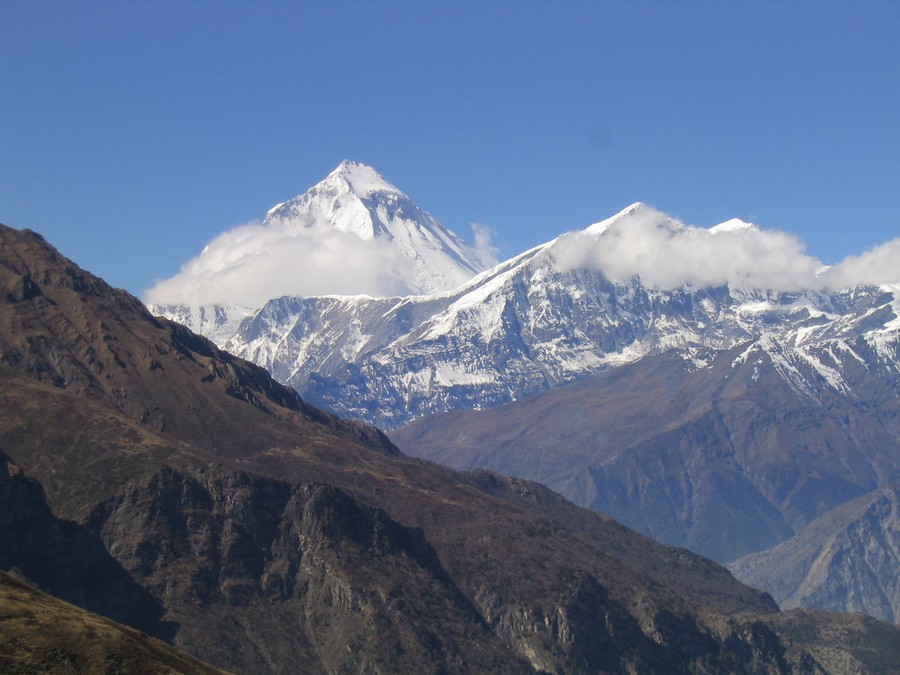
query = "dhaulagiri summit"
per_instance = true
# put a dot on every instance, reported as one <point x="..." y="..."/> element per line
<point x="354" y="231"/>
<point x="356" y="199"/>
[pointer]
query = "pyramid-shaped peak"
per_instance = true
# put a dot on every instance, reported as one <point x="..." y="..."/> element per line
<point x="638" y="209"/>
<point x="419" y="255"/>
<point x="634" y="208"/>
<point x="361" y="179"/>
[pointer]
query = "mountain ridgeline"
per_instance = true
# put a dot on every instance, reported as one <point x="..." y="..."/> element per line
<point x="532" y="323"/>
<point x="722" y="415"/>
<point x="263" y="535"/>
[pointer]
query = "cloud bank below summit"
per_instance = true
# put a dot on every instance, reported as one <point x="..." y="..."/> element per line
<point x="252" y="264"/>
<point x="667" y="255"/>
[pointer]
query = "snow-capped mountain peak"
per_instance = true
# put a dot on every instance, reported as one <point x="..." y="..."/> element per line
<point x="637" y="209"/>
<point x="342" y="202"/>
<point x="356" y="199"/>
<point x="362" y="179"/>
<point x="732" y="225"/>
<point x="349" y="176"/>
<point x="353" y="233"/>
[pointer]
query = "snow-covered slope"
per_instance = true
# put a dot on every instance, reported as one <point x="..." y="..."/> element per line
<point x="451" y="336"/>
<point x="356" y="199"/>
<point x="536" y="321"/>
<point x="354" y="232"/>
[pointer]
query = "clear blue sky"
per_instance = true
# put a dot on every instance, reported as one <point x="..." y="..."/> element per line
<point x="131" y="133"/>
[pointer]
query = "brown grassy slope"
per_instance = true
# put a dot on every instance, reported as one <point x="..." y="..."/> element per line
<point x="62" y="326"/>
<point x="41" y="634"/>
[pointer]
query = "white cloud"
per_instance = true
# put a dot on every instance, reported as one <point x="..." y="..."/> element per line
<point x="253" y="263"/>
<point x="666" y="254"/>
<point x="881" y="265"/>
<point x="485" y="251"/>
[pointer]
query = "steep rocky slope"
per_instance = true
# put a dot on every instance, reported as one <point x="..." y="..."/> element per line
<point x="274" y="536"/>
<point x="66" y="328"/>
<point x="726" y="460"/>
<point x="847" y="560"/>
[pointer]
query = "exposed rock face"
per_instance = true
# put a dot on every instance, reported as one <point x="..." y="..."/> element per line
<point x="277" y="538"/>
<point x="336" y="573"/>
<point x="63" y="559"/>
<point x="847" y="560"/>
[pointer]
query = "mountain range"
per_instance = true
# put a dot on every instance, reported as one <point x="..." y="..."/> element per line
<point x="546" y="317"/>
<point x="151" y="477"/>
<point x="715" y="389"/>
